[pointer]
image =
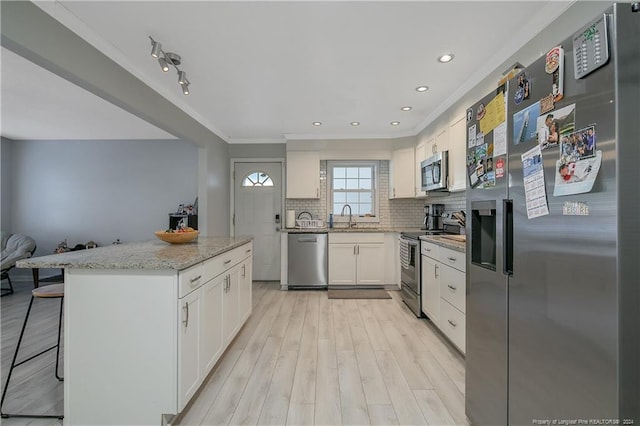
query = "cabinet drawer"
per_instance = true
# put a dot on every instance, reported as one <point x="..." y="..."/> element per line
<point x="452" y="324"/>
<point x="217" y="265"/>
<point x="190" y="279"/>
<point x="429" y="249"/>
<point x="356" y="237"/>
<point x="453" y="258"/>
<point x="453" y="286"/>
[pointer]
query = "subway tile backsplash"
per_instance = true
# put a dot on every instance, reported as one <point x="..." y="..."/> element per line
<point x="397" y="213"/>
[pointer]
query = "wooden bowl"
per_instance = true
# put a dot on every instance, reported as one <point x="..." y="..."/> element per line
<point x="177" y="237"/>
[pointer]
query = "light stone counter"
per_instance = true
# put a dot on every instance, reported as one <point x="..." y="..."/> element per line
<point x="445" y="242"/>
<point x="345" y="229"/>
<point x="154" y="254"/>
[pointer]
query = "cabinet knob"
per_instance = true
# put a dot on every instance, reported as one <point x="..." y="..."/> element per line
<point x="226" y="262"/>
<point x="194" y="279"/>
<point x="452" y="288"/>
<point x="453" y="259"/>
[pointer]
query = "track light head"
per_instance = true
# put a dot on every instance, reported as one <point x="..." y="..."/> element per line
<point x="163" y="64"/>
<point x="185" y="89"/>
<point x="182" y="77"/>
<point x="156" y="49"/>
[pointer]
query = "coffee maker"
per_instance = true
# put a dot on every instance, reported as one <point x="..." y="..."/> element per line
<point x="433" y="217"/>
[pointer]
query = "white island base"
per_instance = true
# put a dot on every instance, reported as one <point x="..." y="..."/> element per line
<point x="138" y="343"/>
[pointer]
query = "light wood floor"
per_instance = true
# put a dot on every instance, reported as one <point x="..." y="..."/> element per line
<point x="300" y="359"/>
<point x="305" y="359"/>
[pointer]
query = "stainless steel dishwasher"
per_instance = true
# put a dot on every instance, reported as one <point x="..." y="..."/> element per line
<point x="307" y="260"/>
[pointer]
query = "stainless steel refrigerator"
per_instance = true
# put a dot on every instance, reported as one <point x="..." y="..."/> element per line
<point x="553" y="272"/>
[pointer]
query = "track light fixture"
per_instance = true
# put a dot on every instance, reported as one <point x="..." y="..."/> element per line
<point x="169" y="58"/>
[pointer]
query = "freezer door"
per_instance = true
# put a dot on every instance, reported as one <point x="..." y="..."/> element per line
<point x="486" y="309"/>
<point x="563" y="331"/>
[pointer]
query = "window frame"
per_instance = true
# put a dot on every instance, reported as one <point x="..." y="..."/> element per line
<point x="254" y="185"/>
<point x="375" y="191"/>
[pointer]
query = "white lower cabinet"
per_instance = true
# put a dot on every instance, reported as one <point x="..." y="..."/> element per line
<point x="356" y="258"/>
<point x="244" y="291"/>
<point x="188" y="341"/>
<point x="210" y="331"/>
<point x="210" y="315"/>
<point x="230" y="302"/>
<point x="370" y="263"/>
<point x="430" y="294"/>
<point x="443" y="291"/>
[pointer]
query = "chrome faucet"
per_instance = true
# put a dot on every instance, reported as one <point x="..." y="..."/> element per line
<point x="342" y="213"/>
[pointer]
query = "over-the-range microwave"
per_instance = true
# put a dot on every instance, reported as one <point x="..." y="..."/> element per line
<point x="434" y="172"/>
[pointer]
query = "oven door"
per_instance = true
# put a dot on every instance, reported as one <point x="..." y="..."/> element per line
<point x="410" y="273"/>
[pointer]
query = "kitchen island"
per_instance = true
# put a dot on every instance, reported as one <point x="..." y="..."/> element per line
<point x="144" y="324"/>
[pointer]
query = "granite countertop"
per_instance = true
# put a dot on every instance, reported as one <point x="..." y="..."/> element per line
<point x="154" y="254"/>
<point x="443" y="241"/>
<point x="345" y="229"/>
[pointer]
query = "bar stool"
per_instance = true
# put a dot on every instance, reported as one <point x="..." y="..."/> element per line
<point x="55" y="291"/>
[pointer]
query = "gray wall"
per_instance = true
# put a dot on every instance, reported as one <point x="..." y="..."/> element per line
<point x="33" y="34"/>
<point x="5" y="184"/>
<point x="98" y="190"/>
<point x="254" y="150"/>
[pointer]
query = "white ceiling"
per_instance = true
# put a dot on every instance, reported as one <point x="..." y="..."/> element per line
<point x="263" y="71"/>
<point x="37" y="104"/>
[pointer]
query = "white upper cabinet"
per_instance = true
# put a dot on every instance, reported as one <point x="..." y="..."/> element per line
<point x="421" y="155"/>
<point x="402" y="174"/>
<point x="457" y="154"/>
<point x="442" y="141"/>
<point x="303" y="174"/>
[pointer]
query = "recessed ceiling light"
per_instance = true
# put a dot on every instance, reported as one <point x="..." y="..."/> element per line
<point x="395" y="123"/>
<point x="355" y="123"/>
<point x="407" y="108"/>
<point x="447" y="57"/>
<point x="317" y="123"/>
<point x="422" y="88"/>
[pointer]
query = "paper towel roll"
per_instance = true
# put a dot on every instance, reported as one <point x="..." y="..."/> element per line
<point x="291" y="219"/>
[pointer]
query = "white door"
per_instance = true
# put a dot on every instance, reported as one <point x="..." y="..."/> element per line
<point x="257" y="201"/>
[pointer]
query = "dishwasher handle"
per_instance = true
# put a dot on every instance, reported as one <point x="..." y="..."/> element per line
<point x="307" y="239"/>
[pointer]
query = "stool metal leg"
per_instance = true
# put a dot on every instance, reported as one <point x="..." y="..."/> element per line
<point x="58" y="345"/>
<point x="14" y="365"/>
<point x="15" y="356"/>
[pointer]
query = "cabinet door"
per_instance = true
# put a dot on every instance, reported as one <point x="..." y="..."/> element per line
<point x="370" y="263"/>
<point x="210" y="328"/>
<point x="457" y="154"/>
<point x="244" y="291"/>
<point x="442" y="140"/>
<point x="230" y="305"/>
<point x="402" y="174"/>
<point x="453" y="324"/>
<point x="430" y="292"/>
<point x="421" y="155"/>
<point x="188" y="350"/>
<point x="452" y="287"/>
<point x="342" y="264"/>
<point x="303" y="174"/>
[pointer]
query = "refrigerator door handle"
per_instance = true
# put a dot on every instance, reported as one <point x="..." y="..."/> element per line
<point x="507" y="232"/>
